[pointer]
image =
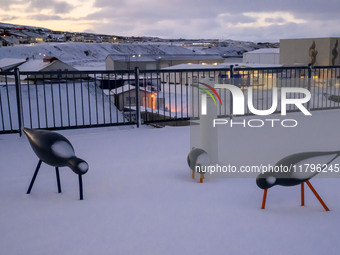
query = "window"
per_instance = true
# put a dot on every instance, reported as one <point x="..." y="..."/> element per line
<point x="130" y="100"/>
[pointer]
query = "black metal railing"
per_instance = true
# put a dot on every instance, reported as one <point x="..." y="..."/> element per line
<point x="79" y="99"/>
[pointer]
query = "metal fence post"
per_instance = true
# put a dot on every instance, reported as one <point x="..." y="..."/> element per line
<point x="231" y="97"/>
<point x="18" y="97"/>
<point x="309" y="83"/>
<point x="138" y="117"/>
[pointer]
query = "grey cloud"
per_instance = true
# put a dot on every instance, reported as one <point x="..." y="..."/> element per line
<point x="274" y="20"/>
<point x="150" y="11"/>
<point x="276" y="32"/>
<point x="56" y="6"/>
<point x="109" y="3"/>
<point x="45" y="17"/>
<point x="156" y="10"/>
<point x="208" y="8"/>
<point x="8" y="18"/>
<point x="5" y="4"/>
<point x="212" y="19"/>
<point x="211" y="29"/>
<point x="236" y="18"/>
<point x="200" y="18"/>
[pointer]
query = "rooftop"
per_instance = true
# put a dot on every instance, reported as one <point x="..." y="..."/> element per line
<point x="123" y="89"/>
<point x="5" y="62"/>
<point x="34" y="65"/>
<point x="218" y="66"/>
<point x="264" y="50"/>
<point x="132" y="58"/>
<point x="191" y="66"/>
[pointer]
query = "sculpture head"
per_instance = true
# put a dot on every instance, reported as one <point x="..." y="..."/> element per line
<point x="78" y="165"/>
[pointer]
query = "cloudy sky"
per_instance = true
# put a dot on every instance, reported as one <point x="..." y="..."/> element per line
<point x="254" y="20"/>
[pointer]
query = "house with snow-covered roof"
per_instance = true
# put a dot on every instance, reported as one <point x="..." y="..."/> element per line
<point x="48" y="64"/>
<point x="9" y="40"/>
<point x="35" y="37"/>
<point x="151" y="102"/>
<point x="125" y="97"/>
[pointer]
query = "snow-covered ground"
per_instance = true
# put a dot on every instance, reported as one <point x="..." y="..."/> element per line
<point x="140" y="198"/>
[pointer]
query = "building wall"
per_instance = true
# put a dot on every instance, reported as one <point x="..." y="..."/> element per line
<point x="233" y="60"/>
<point x="128" y="98"/>
<point x="126" y="65"/>
<point x="152" y="65"/>
<point x="122" y="99"/>
<point x="261" y="58"/>
<point x="166" y="63"/>
<point x="109" y="63"/>
<point x="296" y="51"/>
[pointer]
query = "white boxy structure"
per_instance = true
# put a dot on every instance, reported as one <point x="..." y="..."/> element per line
<point x="262" y="56"/>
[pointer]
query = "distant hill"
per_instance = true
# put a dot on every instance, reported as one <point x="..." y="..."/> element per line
<point x="79" y="52"/>
<point x="7" y="25"/>
<point x="85" y="52"/>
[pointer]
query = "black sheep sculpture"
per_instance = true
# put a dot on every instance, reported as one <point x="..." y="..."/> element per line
<point x="55" y="150"/>
<point x="290" y="178"/>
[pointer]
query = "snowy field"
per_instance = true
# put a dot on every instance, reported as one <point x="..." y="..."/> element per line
<point x="140" y="198"/>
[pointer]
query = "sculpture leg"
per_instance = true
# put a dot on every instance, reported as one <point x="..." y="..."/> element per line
<point x="302" y="194"/>
<point x="34" y="176"/>
<point x="58" y="179"/>
<point x="201" y="178"/>
<point x="80" y="187"/>
<point x="264" y="199"/>
<point x="317" y="196"/>
<point x="193" y="174"/>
